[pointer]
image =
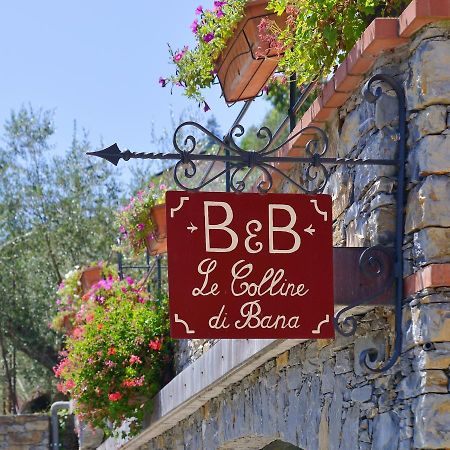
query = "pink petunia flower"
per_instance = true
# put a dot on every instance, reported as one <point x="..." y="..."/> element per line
<point x="135" y="359"/>
<point x="89" y="317"/>
<point x="178" y="57"/>
<point x="140" y="226"/>
<point x="208" y="37"/>
<point x="77" y="332"/>
<point x="199" y="10"/>
<point x="162" y="81"/>
<point x="194" y="26"/>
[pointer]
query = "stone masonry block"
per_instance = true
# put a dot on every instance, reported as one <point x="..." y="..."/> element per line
<point x="381" y="225"/>
<point x="429" y="81"/>
<point x="380" y="145"/>
<point x="432" y="421"/>
<point x="386" y="111"/>
<point x="422" y="382"/>
<point x="428" y="204"/>
<point x="426" y="323"/>
<point x="385" y="431"/>
<point x="436" y="357"/>
<point x="431" y="245"/>
<point x="431" y="120"/>
<point x="431" y="156"/>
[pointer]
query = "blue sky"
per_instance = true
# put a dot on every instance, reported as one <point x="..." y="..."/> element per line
<point x="99" y="62"/>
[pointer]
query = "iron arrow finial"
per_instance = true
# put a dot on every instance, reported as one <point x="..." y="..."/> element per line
<point x="111" y="154"/>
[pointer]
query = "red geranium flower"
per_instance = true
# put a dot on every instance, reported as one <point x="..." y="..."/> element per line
<point x="155" y="345"/>
<point x="115" y="396"/>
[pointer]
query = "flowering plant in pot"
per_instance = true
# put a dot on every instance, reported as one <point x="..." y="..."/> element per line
<point x="195" y="68"/>
<point x="318" y="34"/>
<point x="117" y="357"/>
<point x="71" y="290"/>
<point x="142" y="222"/>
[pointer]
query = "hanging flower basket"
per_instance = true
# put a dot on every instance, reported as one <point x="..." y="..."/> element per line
<point x="248" y="62"/>
<point x="156" y="242"/>
<point x="90" y="276"/>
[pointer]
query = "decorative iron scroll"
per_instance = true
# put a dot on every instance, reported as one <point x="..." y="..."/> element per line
<point x="372" y="265"/>
<point x="371" y="358"/>
<point x="315" y="171"/>
<point x="315" y="162"/>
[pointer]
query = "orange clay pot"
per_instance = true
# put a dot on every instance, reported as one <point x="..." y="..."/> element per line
<point x="89" y="277"/>
<point x="247" y="63"/>
<point x="156" y="242"/>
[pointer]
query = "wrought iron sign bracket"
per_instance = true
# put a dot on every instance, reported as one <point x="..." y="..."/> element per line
<point x="314" y="175"/>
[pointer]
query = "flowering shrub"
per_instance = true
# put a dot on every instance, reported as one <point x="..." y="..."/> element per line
<point x="115" y="359"/>
<point x="69" y="295"/>
<point x="319" y="33"/>
<point x="212" y="29"/>
<point x="134" y="219"/>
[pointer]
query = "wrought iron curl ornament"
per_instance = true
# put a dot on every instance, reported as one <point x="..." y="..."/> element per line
<point x="241" y="160"/>
<point x="372" y="266"/>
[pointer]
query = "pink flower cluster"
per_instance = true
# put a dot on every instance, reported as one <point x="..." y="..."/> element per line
<point x="58" y="369"/>
<point x="178" y="56"/>
<point x="134" y="382"/>
<point x="135" y="359"/>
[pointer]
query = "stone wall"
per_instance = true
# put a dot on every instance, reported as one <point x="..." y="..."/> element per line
<point x="317" y="395"/>
<point x="27" y="432"/>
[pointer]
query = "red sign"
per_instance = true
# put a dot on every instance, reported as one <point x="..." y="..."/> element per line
<point x="250" y="265"/>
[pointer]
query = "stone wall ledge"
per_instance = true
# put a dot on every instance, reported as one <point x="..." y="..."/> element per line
<point x="381" y="35"/>
<point x="227" y="362"/>
<point x="431" y="276"/>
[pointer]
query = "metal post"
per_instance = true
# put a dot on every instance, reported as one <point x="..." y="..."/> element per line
<point x="292" y="101"/>
<point x="120" y="265"/>
<point x="159" y="276"/>
<point x="227" y="166"/>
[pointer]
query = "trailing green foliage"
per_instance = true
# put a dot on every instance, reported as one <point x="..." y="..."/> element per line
<point x="195" y="68"/>
<point x="319" y="33"/>
<point x="70" y="292"/>
<point x="134" y="220"/>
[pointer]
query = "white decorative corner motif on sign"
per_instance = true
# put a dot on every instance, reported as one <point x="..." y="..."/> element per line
<point x="326" y="320"/>
<point x="316" y="207"/>
<point x="174" y="210"/>
<point x="178" y="320"/>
